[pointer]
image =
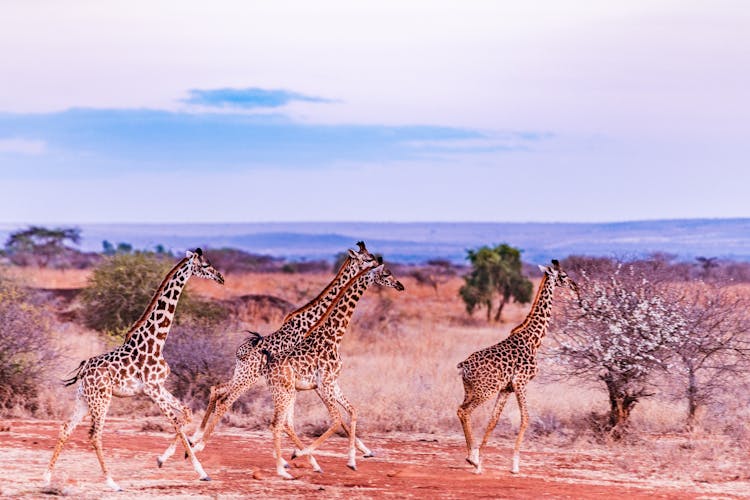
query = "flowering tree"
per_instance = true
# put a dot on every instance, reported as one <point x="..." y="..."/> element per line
<point x="621" y="332"/>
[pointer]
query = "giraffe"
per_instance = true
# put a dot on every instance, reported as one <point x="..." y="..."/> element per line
<point x="136" y="366"/>
<point x="251" y="354"/>
<point x="508" y="366"/>
<point x="315" y="363"/>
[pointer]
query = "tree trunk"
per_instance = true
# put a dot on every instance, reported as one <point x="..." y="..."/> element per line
<point x="499" y="310"/>
<point x="620" y="405"/>
<point x="692" y="397"/>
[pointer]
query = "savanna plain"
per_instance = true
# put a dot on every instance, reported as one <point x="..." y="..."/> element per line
<point x="400" y="357"/>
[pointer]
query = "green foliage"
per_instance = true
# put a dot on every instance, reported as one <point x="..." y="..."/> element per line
<point x="495" y="272"/>
<point x="120" y="289"/>
<point x="26" y="349"/>
<point x="40" y="245"/>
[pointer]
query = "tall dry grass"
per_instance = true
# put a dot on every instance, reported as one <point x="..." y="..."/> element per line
<point x="400" y="358"/>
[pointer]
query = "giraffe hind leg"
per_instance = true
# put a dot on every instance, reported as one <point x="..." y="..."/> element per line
<point x="80" y="411"/>
<point x="224" y="398"/>
<point x="98" y="411"/>
<point x="472" y="400"/>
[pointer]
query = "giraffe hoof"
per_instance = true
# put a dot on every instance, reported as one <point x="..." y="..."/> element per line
<point x="159" y="462"/>
<point x="186" y="455"/>
<point x="352" y="467"/>
<point x="287" y="466"/>
<point x="294" y="455"/>
<point x="472" y="462"/>
<point x="369" y="454"/>
<point x="207" y="478"/>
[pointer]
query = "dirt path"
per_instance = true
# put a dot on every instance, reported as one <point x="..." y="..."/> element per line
<point x="240" y="465"/>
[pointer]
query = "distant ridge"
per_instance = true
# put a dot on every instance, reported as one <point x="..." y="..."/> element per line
<point x="421" y="241"/>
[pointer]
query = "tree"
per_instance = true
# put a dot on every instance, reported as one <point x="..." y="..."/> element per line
<point x="495" y="271"/>
<point x="39" y="245"/>
<point x="622" y="331"/>
<point x="714" y="349"/>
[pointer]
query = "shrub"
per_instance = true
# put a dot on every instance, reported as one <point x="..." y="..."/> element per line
<point x="199" y="355"/>
<point x="120" y="289"/>
<point x="25" y="349"/>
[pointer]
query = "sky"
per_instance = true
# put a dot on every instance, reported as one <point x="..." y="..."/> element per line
<point x="249" y="111"/>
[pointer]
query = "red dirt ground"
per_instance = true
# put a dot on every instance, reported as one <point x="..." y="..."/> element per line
<point x="240" y="464"/>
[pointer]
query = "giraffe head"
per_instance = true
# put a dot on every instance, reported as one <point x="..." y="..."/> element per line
<point x="558" y="276"/>
<point x="201" y="267"/>
<point x="362" y="259"/>
<point x="384" y="277"/>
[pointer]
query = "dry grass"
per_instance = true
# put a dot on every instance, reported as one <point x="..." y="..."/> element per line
<point x="401" y="374"/>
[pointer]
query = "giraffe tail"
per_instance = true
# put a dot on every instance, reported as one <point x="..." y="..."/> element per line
<point x="254" y="338"/>
<point x="72" y="380"/>
<point x="268" y="355"/>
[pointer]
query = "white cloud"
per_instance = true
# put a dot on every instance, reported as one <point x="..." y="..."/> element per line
<point x="15" y="145"/>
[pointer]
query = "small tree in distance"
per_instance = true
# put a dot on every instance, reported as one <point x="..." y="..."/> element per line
<point x="40" y="245"/>
<point x="495" y="272"/>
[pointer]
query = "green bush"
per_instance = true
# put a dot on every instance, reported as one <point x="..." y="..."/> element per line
<point x="120" y="289"/>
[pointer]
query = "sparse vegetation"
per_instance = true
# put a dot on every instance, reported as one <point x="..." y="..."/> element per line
<point x="26" y="349"/>
<point x="409" y="345"/>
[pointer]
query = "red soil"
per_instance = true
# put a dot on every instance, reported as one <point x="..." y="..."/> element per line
<point x="240" y="464"/>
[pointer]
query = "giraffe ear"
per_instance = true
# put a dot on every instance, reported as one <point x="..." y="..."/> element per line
<point x="188" y="254"/>
<point x="352" y="253"/>
<point x="543" y="269"/>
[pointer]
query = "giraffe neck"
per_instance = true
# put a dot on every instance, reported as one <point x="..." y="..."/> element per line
<point x="347" y="304"/>
<point x="150" y="332"/>
<point x="311" y="312"/>
<point x="335" y="321"/>
<point x="534" y="327"/>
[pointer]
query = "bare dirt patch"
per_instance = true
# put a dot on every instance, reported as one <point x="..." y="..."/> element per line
<point x="240" y="464"/>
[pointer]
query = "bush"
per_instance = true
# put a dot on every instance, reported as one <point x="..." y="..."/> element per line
<point x="200" y="355"/>
<point x="25" y="349"/>
<point x="120" y="289"/>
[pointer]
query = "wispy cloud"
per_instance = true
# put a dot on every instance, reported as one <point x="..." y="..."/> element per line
<point x="160" y="140"/>
<point x="248" y="98"/>
<point x="16" y="145"/>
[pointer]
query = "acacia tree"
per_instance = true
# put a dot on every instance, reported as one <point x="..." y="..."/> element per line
<point x="40" y="245"/>
<point x="714" y="348"/>
<point x="495" y="272"/>
<point x="621" y="332"/>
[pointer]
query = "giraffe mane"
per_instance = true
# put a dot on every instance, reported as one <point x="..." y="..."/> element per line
<point x="321" y="294"/>
<point x="152" y="304"/>
<point x="527" y="320"/>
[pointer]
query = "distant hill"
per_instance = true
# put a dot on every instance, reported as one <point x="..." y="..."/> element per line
<point x="421" y="241"/>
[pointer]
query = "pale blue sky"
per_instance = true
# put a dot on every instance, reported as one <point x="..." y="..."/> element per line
<point x="244" y="111"/>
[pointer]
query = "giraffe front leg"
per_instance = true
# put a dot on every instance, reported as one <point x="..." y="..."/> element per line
<point x="326" y="394"/>
<point x="352" y="429"/>
<point x="520" y="390"/>
<point x="179" y="415"/>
